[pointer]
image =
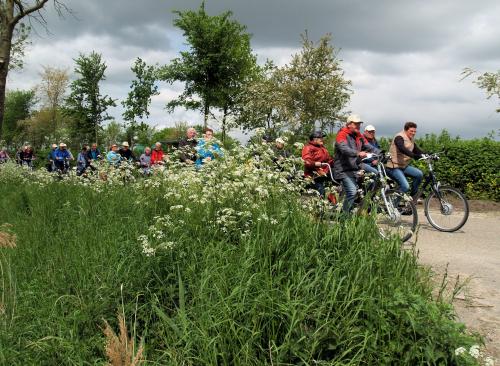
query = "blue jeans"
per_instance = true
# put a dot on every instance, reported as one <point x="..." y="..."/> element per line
<point x="399" y="176"/>
<point x="350" y="189"/>
<point x="369" y="168"/>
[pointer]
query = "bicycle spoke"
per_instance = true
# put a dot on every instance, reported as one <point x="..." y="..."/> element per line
<point x="449" y="212"/>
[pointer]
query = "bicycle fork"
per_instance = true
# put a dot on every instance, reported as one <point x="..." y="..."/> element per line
<point x="394" y="214"/>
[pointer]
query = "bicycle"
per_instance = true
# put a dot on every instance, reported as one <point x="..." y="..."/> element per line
<point x="395" y="213"/>
<point x="442" y="202"/>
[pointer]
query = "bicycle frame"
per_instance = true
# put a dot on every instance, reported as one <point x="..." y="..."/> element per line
<point x="429" y="179"/>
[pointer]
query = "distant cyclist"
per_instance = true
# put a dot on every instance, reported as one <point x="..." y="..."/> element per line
<point x="317" y="161"/>
<point x="369" y="164"/>
<point x="63" y="156"/>
<point x="402" y="150"/>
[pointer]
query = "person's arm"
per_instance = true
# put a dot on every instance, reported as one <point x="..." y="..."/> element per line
<point x="308" y="158"/>
<point x="418" y="153"/>
<point x="400" y="145"/>
<point x="343" y="147"/>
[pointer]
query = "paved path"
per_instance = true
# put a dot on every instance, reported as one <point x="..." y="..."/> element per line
<point x="473" y="252"/>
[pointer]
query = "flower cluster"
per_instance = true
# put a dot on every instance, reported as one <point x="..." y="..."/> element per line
<point x="475" y="353"/>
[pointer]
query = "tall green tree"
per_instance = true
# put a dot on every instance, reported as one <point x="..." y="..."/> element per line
<point x="143" y="88"/>
<point x="13" y="36"/>
<point x="85" y="104"/>
<point x="314" y="89"/>
<point x="216" y="65"/>
<point x="19" y="105"/>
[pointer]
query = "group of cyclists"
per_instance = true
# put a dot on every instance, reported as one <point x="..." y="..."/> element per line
<point x="352" y="158"/>
<point x="192" y="151"/>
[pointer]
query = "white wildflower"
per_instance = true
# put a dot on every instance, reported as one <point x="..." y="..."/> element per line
<point x="488" y="361"/>
<point x="459" y="351"/>
<point x="474" y="351"/>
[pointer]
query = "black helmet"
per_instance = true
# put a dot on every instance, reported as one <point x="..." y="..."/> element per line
<point x="316" y="135"/>
<point x="267" y="138"/>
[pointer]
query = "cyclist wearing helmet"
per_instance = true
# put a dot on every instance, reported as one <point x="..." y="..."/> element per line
<point x="317" y="161"/>
<point x="350" y="148"/>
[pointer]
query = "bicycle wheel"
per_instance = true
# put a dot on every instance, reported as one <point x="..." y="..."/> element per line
<point x="398" y="217"/>
<point x="448" y="210"/>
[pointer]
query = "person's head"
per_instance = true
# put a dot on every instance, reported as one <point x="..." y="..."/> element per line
<point x="158" y="146"/>
<point x="54" y="146"/>
<point x="147" y="150"/>
<point x="317" y="138"/>
<point x="279" y="143"/>
<point x="267" y="139"/>
<point x="191" y="133"/>
<point x="114" y="147"/>
<point x="94" y="146"/>
<point x="353" y="122"/>
<point x="209" y="133"/>
<point x="125" y="145"/>
<point x="62" y="146"/>
<point x="370" y="132"/>
<point x="410" y="129"/>
<point x="85" y="147"/>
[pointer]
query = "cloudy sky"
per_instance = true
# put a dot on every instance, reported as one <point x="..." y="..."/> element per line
<point x="404" y="57"/>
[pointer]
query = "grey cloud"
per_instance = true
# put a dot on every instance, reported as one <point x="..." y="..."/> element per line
<point x="383" y="26"/>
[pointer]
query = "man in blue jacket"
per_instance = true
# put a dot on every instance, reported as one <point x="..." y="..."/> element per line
<point x="63" y="156"/>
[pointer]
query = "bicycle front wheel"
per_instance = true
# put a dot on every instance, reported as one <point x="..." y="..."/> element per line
<point x="398" y="217"/>
<point x="447" y="210"/>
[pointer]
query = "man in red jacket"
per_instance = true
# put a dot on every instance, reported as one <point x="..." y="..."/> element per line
<point x="350" y="148"/>
<point x="157" y="155"/>
<point x="317" y="161"/>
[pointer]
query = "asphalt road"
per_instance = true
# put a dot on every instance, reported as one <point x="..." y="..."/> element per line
<point x="473" y="253"/>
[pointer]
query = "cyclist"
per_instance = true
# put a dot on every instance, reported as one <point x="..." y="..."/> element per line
<point x="51" y="157"/>
<point x="187" y="147"/>
<point x="4" y="156"/>
<point x="27" y="156"/>
<point x="94" y="152"/>
<point x="207" y="149"/>
<point x="125" y="152"/>
<point x="83" y="160"/>
<point x="350" y="148"/>
<point x="113" y="157"/>
<point x="369" y="164"/>
<point x="402" y="150"/>
<point x="63" y="156"/>
<point x="317" y="161"/>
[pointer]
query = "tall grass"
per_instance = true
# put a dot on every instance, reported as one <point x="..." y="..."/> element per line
<point x="222" y="288"/>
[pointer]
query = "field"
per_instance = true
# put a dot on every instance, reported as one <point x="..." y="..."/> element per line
<point x="222" y="266"/>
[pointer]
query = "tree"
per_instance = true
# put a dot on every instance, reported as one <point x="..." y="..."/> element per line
<point x="489" y="81"/>
<point x="136" y="105"/>
<point x="52" y="91"/>
<point x="12" y="12"/>
<point x="261" y="104"/>
<point x="19" y="106"/>
<point x="85" y="103"/>
<point x="313" y="86"/>
<point x="216" y="65"/>
<point x="112" y="133"/>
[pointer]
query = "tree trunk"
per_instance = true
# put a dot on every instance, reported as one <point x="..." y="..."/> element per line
<point x="5" y="46"/>
<point x="224" y="126"/>
<point x="205" y="116"/>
